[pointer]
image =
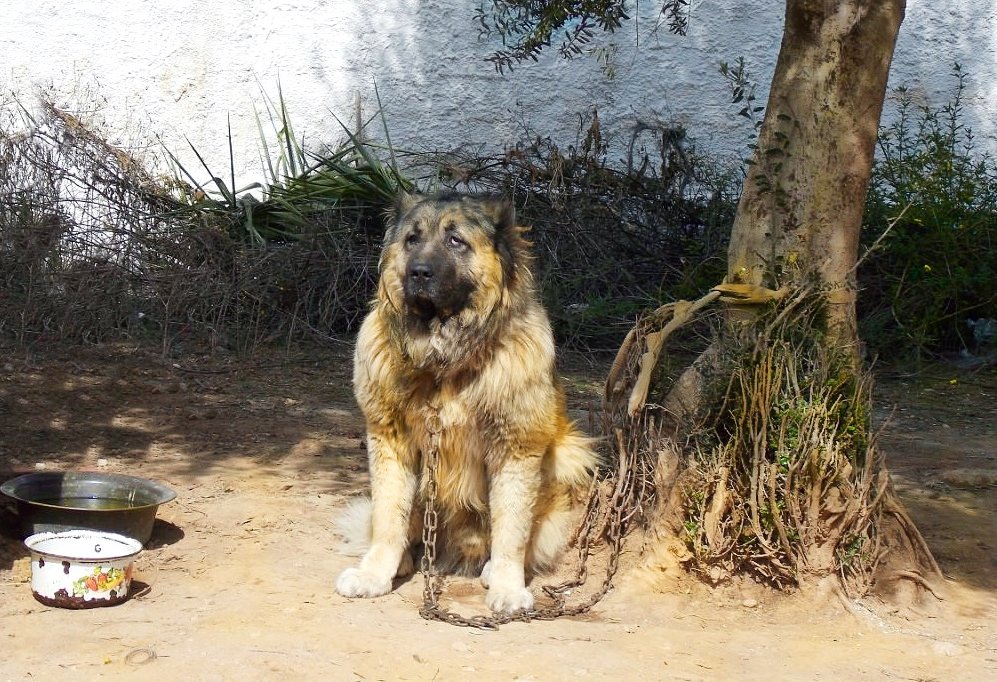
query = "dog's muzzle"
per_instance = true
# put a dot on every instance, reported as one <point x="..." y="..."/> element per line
<point x="432" y="292"/>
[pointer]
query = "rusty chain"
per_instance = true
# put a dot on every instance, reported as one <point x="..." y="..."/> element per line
<point x="623" y="504"/>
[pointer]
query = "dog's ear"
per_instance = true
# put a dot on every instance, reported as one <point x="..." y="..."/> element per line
<point x="512" y="248"/>
<point x="503" y="215"/>
<point x="404" y="201"/>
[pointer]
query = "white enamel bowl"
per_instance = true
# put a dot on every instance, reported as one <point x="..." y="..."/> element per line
<point x="81" y="569"/>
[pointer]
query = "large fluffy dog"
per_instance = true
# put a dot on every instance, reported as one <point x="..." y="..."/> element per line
<point x="456" y="331"/>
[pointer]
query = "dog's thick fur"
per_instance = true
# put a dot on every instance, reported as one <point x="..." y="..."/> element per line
<point x="457" y="329"/>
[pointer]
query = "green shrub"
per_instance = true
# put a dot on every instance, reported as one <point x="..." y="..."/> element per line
<point x="935" y="267"/>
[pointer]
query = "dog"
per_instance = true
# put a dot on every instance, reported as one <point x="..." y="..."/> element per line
<point x="457" y="337"/>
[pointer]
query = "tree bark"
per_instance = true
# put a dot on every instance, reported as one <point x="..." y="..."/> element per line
<point x="800" y="212"/>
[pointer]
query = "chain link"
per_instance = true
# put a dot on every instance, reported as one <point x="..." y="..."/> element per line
<point x="619" y="507"/>
<point x="430" y="590"/>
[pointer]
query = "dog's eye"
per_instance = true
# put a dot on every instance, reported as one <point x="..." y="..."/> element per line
<point x="412" y="239"/>
<point x="455" y="242"/>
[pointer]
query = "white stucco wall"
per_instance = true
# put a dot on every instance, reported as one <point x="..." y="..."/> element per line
<point x="179" y="68"/>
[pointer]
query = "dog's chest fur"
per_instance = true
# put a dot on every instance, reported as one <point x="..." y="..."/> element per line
<point x="470" y="439"/>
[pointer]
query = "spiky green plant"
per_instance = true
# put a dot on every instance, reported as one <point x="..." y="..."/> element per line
<point x="299" y="184"/>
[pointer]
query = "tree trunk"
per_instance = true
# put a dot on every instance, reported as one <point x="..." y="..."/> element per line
<point x="765" y="459"/>
<point x="800" y="212"/>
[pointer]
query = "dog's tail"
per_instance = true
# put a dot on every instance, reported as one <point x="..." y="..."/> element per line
<point x="354" y="526"/>
<point x="576" y="459"/>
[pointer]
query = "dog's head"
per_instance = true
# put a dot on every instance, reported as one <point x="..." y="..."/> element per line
<point x="451" y="257"/>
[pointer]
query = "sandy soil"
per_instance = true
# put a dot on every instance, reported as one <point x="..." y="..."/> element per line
<point x="237" y="581"/>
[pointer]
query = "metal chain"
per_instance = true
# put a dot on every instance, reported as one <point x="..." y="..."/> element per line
<point x="430" y="590"/>
<point x="622" y="503"/>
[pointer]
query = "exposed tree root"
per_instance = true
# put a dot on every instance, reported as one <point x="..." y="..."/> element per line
<point x="772" y="463"/>
<point x="919" y="579"/>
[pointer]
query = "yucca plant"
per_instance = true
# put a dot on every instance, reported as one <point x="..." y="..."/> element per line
<point x="299" y="184"/>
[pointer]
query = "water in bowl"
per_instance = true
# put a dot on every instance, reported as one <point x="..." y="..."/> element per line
<point x="95" y="503"/>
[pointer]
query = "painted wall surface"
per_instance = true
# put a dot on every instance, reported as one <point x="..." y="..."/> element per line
<point x="183" y="68"/>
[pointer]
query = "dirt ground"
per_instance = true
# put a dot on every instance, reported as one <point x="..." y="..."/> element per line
<point x="237" y="581"/>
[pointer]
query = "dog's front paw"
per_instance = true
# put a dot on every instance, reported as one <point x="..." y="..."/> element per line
<point x="486" y="575"/>
<point x="355" y="582"/>
<point x="509" y="601"/>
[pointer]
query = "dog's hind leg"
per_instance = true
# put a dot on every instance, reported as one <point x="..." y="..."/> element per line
<point x="466" y="542"/>
<point x="393" y="487"/>
<point x="567" y="473"/>
<point x="551" y="530"/>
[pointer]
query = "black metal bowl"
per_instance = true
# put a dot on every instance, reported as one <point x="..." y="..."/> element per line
<point x="86" y="500"/>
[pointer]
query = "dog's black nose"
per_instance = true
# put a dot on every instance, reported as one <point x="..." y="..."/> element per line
<point x="420" y="272"/>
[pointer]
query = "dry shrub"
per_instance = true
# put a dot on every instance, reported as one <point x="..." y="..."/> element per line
<point x="612" y="238"/>
<point x="74" y="215"/>
<point x="94" y="248"/>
